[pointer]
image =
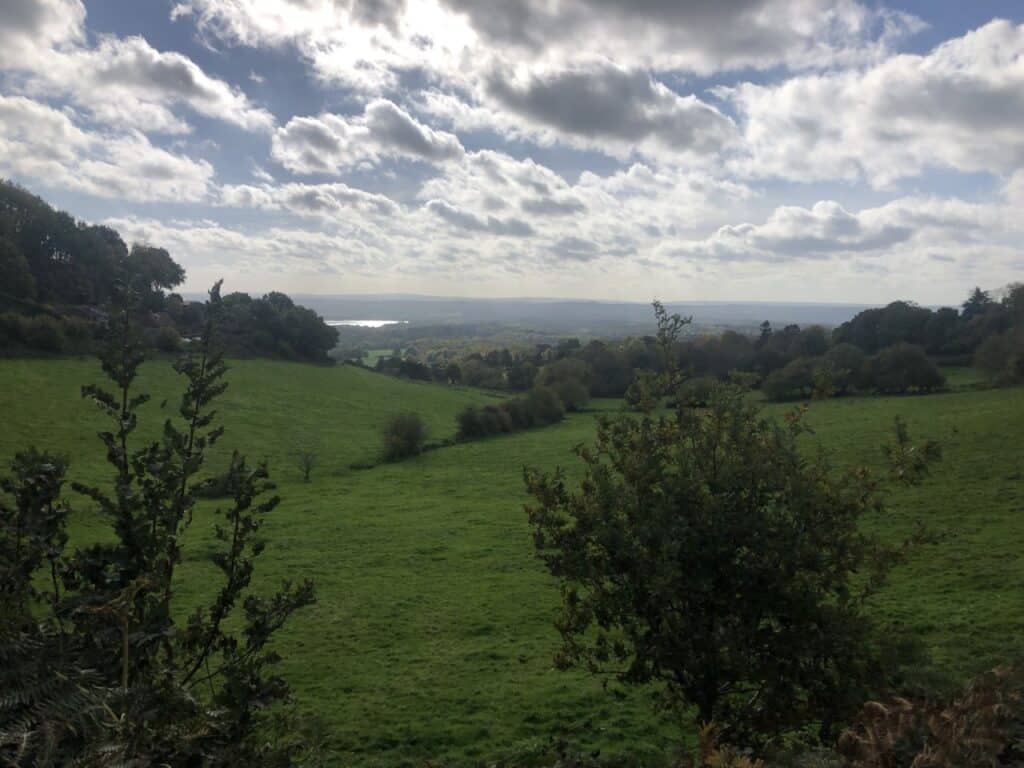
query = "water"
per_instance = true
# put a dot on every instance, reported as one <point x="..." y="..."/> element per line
<point x="366" y="323"/>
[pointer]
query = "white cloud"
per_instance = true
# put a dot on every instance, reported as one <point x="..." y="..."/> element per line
<point x="34" y="26"/>
<point x="827" y="230"/>
<point x="123" y="82"/>
<point x="323" y="200"/>
<point x="598" y="107"/>
<point x="366" y="43"/>
<point x="331" y="143"/>
<point x="39" y="142"/>
<point x="961" y="106"/>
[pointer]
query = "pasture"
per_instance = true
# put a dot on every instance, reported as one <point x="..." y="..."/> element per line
<point x="432" y="635"/>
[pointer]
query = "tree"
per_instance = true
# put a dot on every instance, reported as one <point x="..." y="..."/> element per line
<point x="305" y="460"/>
<point x="153" y="269"/>
<point x="845" y="363"/>
<point x="15" y="276"/>
<point x="901" y="368"/>
<point x="453" y="374"/>
<point x="569" y="378"/>
<point x="706" y="552"/>
<point x="977" y="304"/>
<point x="404" y="436"/>
<point x="109" y="668"/>
<point x="792" y="382"/>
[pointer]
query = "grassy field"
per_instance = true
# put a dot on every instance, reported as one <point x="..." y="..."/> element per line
<point x="432" y="636"/>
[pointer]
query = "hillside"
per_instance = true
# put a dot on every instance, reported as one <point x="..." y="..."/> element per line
<point x="270" y="409"/>
<point x="432" y="634"/>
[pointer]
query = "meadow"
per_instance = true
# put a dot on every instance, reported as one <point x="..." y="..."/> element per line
<point x="432" y="634"/>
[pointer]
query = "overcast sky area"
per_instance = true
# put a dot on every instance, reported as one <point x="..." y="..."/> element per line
<point x="787" y="150"/>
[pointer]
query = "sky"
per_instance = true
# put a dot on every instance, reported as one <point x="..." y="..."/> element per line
<point x="770" y="150"/>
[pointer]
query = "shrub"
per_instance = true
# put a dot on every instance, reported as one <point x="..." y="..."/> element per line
<point x="902" y="368"/>
<point x="166" y="339"/>
<point x="539" y="406"/>
<point x="545" y="405"/>
<point x="1002" y="356"/>
<point x="845" y="366"/>
<point x="404" y="436"/>
<point x="569" y="379"/>
<point x="694" y="393"/>
<point x="43" y="333"/>
<point x="470" y="426"/>
<point x="795" y="380"/>
<point x="11" y="329"/>
<point x="707" y="553"/>
<point x="979" y="726"/>
<point x="573" y="393"/>
<point x="306" y="460"/>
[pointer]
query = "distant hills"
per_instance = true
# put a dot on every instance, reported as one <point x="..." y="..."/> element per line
<point x="565" y="315"/>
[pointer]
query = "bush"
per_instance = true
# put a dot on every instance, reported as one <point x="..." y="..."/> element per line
<point x="166" y="339"/>
<point x="569" y="378"/>
<point x="1002" y="356"/>
<point x="43" y="333"/>
<point x="538" y="407"/>
<point x="544" y="405"/>
<point x="707" y="553"/>
<point x="694" y="393"/>
<point x="11" y="329"/>
<point x="795" y="380"/>
<point x="902" y="368"/>
<point x="404" y="436"/>
<point x="845" y="366"/>
<point x="470" y="425"/>
<point x="572" y="392"/>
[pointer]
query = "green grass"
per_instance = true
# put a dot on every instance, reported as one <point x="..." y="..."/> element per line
<point x="374" y="355"/>
<point x="432" y="636"/>
<point x="962" y="377"/>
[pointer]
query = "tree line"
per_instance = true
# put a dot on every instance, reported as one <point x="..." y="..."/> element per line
<point x="59" y="278"/>
<point x="887" y="350"/>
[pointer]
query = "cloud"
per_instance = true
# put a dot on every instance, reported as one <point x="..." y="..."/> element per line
<point x="331" y="143"/>
<point x="610" y="109"/>
<point x="961" y="106"/>
<point x="33" y="25"/>
<point x="123" y="82"/>
<point x="324" y="200"/>
<point x="40" y="142"/>
<point x="828" y="230"/>
<point x="446" y="36"/>
<point x="1013" y="190"/>
<point x="472" y="223"/>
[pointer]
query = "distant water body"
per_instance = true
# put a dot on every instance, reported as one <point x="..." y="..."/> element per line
<point x="366" y="323"/>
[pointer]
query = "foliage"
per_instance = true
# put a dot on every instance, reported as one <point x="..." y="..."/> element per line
<point x="43" y="333"/>
<point x="426" y="580"/>
<point x="274" y="326"/>
<point x="909" y="463"/>
<point x="404" y="435"/>
<point x="166" y="339"/>
<point x="705" y="553"/>
<point x="794" y="381"/>
<point x="306" y="460"/>
<point x="15" y="275"/>
<point x="69" y="262"/>
<point x="539" y="407"/>
<point x="145" y="687"/>
<point x="844" y="364"/>
<point x="981" y="725"/>
<point x="903" y="368"/>
<point x="697" y="392"/>
<point x="569" y="378"/>
<point x="1001" y="356"/>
